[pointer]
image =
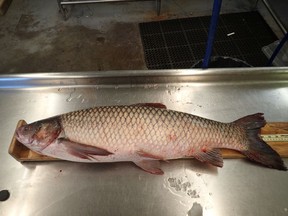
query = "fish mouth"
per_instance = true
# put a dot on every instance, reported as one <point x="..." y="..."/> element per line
<point x="22" y="139"/>
<point x="17" y="134"/>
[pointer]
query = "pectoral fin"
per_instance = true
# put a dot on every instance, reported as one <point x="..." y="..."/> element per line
<point x="151" y="166"/>
<point x="212" y="156"/>
<point x="81" y="150"/>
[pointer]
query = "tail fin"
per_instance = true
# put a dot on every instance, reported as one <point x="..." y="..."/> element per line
<point x="258" y="150"/>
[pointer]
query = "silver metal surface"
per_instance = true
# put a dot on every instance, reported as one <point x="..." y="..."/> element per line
<point x="275" y="17"/>
<point x="187" y="187"/>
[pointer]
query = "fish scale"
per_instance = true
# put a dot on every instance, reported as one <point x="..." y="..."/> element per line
<point x="140" y="128"/>
<point x="145" y="134"/>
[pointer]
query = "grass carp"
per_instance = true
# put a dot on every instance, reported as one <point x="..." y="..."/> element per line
<point x="146" y="134"/>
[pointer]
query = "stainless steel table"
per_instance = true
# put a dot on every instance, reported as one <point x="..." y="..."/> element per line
<point x="62" y="4"/>
<point x="188" y="187"/>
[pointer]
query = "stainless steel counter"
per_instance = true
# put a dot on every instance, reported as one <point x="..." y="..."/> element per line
<point x="188" y="187"/>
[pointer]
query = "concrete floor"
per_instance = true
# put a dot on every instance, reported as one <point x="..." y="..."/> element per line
<point x="97" y="37"/>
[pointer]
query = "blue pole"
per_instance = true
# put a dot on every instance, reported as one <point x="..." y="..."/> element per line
<point x="212" y="31"/>
<point x="277" y="50"/>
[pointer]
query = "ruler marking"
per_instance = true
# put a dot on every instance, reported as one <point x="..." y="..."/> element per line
<point x="275" y="137"/>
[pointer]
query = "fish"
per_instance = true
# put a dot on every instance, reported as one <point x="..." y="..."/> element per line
<point x="146" y="134"/>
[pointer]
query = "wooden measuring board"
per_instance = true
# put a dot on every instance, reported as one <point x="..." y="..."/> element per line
<point x="275" y="134"/>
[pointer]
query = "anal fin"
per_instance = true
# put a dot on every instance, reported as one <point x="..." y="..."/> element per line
<point x="151" y="166"/>
<point x="81" y="150"/>
<point x="212" y="156"/>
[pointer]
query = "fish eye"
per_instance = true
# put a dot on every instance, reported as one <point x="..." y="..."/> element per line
<point x="26" y="128"/>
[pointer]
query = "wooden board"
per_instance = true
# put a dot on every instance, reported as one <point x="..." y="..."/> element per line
<point x="22" y="153"/>
<point x="4" y="5"/>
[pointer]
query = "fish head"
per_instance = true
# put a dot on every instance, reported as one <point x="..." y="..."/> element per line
<point x="38" y="135"/>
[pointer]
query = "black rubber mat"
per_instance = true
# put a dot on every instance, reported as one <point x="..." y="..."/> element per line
<point x="179" y="43"/>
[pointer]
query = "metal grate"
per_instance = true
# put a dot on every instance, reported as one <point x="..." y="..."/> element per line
<point x="179" y="43"/>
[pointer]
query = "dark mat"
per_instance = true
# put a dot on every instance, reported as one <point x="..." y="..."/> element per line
<point x="180" y="43"/>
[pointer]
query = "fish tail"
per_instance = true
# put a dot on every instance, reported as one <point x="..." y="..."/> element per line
<point x="258" y="150"/>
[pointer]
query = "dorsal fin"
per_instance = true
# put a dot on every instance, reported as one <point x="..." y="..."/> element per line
<point x="155" y="105"/>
